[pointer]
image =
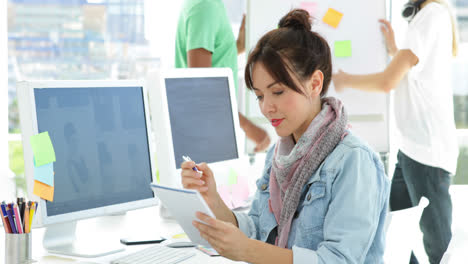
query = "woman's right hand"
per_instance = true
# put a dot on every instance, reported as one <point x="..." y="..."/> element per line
<point x="389" y="35"/>
<point x="202" y="181"/>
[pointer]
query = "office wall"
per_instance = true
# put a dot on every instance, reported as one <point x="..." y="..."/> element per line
<point x="368" y="112"/>
<point x="160" y="28"/>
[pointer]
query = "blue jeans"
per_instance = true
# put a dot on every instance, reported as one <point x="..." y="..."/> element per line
<point x="411" y="181"/>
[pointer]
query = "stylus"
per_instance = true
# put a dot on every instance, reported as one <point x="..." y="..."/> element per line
<point x="187" y="158"/>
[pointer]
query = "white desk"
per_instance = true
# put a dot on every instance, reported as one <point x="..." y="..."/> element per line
<point x="148" y="220"/>
<point x="110" y="229"/>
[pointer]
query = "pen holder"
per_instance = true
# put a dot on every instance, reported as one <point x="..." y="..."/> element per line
<point x="18" y="248"/>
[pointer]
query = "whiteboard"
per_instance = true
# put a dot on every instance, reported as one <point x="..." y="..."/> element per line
<point x="368" y="112"/>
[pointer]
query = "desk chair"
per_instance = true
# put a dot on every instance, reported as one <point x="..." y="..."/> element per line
<point x="402" y="229"/>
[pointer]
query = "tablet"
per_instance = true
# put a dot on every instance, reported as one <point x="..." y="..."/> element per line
<point x="183" y="204"/>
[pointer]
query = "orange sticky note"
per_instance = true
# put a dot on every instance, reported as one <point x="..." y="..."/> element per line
<point x="43" y="190"/>
<point x="333" y="17"/>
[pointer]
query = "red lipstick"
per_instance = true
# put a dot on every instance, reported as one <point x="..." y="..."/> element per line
<point x="276" y="122"/>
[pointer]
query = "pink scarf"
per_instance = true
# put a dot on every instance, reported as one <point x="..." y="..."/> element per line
<point x="293" y="164"/>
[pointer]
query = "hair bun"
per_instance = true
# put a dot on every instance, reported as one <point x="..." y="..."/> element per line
<point x="296" y="19"/>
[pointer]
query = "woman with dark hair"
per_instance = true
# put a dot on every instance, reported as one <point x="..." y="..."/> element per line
<point x="323" y="195"/>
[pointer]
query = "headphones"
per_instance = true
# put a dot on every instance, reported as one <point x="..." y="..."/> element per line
<point x="410" y="9"/>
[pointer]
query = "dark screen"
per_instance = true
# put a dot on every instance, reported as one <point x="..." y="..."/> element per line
<point x="101" y="146"/>
<point x="201" y="119"/>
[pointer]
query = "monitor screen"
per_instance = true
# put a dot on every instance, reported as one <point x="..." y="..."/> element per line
<point x="101" y="145"/>
<point x="202" y="125"/>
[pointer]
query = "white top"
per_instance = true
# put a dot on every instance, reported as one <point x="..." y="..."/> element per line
<point x="424" y="98"/>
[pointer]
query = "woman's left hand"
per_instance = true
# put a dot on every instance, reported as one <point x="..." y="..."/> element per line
<point x="224" y="237"/>
<point x="339" y="80"/>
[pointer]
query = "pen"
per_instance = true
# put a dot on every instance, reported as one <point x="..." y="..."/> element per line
<point x="10" y="218"/>
<point x="32" y="210"/>
<point x="26" y="218"/>
<point x="187" y="158"/>
<point x="19" y="226"/>
<point x="21" y="207"/>
<point x="5" y="220"/>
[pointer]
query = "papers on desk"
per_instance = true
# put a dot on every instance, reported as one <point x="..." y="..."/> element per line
<point x="183" y="205"/>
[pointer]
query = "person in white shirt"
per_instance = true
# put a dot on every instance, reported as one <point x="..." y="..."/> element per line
<point x="420" y="75"/>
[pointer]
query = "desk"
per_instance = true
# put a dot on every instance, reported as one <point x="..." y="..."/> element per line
<point x="148" y="220"/>
<point x="115" y="227"/>
<point x="109" y="229"/>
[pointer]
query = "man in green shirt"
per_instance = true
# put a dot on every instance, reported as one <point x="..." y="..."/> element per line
<point x="205" y="39"/>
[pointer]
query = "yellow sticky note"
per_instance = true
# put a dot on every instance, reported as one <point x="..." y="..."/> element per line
<point x="43" y="190"/>
<point x="333" y="17"/>
<point x="183" y="235"/>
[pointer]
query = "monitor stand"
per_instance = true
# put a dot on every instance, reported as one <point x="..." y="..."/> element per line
<point x="60" y="239"/>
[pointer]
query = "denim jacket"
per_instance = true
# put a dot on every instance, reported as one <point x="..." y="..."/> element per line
<point x="341" y="214"/>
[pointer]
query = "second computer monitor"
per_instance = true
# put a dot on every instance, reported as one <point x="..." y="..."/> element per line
<point x="196" y="116"/>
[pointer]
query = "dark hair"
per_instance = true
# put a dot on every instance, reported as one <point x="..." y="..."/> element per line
<point x="294" y="47"/>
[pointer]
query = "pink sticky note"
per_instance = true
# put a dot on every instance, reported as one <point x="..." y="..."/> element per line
<point x="240" y="192"/>
<point x="225" y="194"/>
<point x="310" y="7"/>
<point x="241" y="189"/>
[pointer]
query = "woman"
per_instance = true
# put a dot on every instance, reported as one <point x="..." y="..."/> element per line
<point x="323" y="194"/>
<point x="420" y="75"/>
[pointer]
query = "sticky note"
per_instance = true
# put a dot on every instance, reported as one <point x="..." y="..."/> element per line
<point x="207" y="250"/>
<point x="333" y="17"/>
<point x="43" y="190"/>
<point x="225" y="195"/>
<point x="182" y="235"/>
<point x="310" y="7"/>
<point x="232" y="177"/>
<point x="240" y="193"/>
<point x="343" y="48"/>
<point x="241" y="189"/>
<point x="42" y="148"/>
<point x="45" y="174"/>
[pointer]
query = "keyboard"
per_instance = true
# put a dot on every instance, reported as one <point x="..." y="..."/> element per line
<point x="155" y="254"/>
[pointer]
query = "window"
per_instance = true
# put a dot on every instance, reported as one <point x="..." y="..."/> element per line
<point x="71" y="39"/>
<point x="460" y="89"/>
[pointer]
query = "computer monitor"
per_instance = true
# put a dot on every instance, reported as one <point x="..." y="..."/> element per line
<point x="194" y="113"/>
<point x="103" y="153"/>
